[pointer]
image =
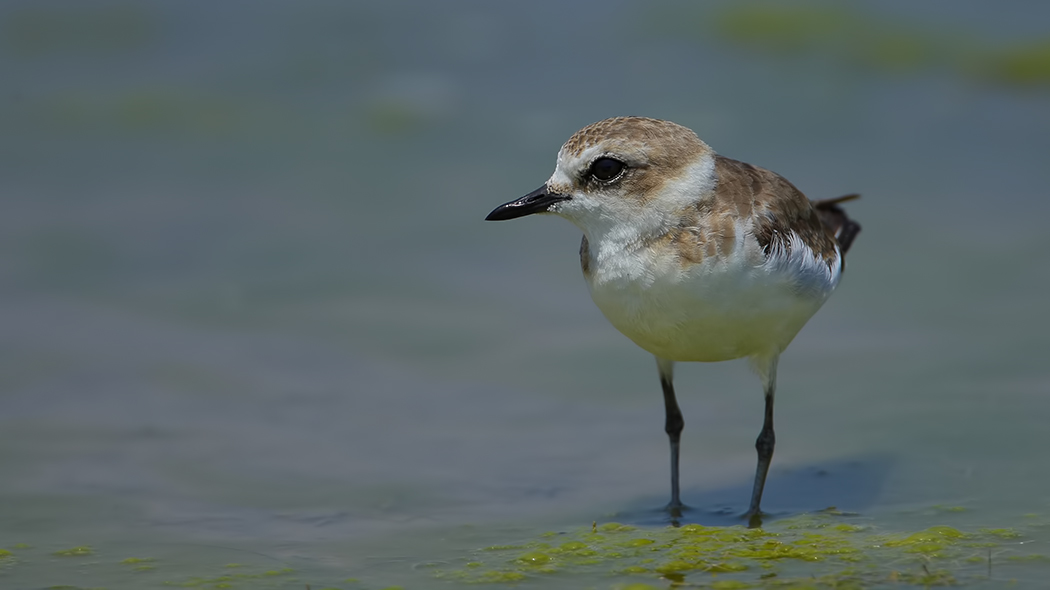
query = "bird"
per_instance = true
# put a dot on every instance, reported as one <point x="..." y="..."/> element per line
<point x="694" y="256"/>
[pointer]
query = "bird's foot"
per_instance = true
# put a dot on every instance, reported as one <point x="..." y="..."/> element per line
<point x="675" y="511"/>
<point x="754" y="519"/>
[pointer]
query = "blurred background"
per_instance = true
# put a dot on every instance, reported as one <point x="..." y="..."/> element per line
<point x="250" y="312"/>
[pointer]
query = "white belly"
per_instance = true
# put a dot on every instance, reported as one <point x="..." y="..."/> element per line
<point x="714" y="311"/>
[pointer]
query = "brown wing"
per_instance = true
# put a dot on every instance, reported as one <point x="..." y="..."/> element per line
<point x="776" y="206"/>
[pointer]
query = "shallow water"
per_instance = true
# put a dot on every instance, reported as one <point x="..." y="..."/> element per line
<point x="249" y="312"/>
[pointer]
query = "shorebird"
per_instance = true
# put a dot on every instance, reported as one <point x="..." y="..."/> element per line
<point x="694" y="256"/>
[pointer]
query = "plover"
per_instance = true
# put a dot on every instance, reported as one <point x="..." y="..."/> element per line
<point x="692" y="255"/>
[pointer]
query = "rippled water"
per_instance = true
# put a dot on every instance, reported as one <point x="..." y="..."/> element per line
<point x="250" y="313"/>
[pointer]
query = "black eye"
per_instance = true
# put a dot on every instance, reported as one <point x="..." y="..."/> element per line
<point x="606" y="169"/>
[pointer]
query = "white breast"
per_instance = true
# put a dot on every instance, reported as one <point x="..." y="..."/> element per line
<point x="723" y="308"/>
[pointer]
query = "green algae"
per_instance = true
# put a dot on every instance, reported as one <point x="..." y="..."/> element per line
<point x="534" y="558"/>
<point x="931" y="541"/>
<point x="1022" y="65"/>
<point x="822" y="550"/>
<point x="84" y="565"/>
<point x="1034" y="557"/>
<point x="244" y="580"/>
<point x="78" y="551"/>
<point x="826" y="550"/>
<point x="862" y="40"/>
<point x="1001" y="533"/>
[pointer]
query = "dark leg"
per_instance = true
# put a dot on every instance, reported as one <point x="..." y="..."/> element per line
<point x="673" y="425"/>
<point x="764" y="445"/>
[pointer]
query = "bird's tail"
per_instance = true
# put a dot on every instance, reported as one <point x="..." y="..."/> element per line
<point x="835" y="219"/>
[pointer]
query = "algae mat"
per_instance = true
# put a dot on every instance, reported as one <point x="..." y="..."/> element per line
<point x="830" y="549"/>
<point x="824" y="550"/>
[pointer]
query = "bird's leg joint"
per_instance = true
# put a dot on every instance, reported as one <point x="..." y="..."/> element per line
<point x="765" y="442"/>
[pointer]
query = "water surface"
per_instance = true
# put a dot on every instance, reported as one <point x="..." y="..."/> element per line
<point x="251" y="314"/>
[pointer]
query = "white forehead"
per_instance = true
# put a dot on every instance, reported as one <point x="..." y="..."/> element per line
<point x="570" y="164"/>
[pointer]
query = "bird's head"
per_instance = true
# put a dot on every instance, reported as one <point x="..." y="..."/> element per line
<point x="629" y="171"/>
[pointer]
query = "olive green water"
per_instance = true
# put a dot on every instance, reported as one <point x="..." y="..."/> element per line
<point x="254" y="333"/>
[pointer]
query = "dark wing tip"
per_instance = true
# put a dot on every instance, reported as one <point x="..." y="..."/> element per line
<point x="834" y="218"/>
<point x="827" y="203"/>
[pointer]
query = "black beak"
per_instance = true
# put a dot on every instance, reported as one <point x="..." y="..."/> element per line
<point x="537" y="201"/>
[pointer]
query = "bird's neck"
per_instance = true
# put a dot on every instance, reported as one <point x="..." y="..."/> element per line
<point x="620" y="251"/>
